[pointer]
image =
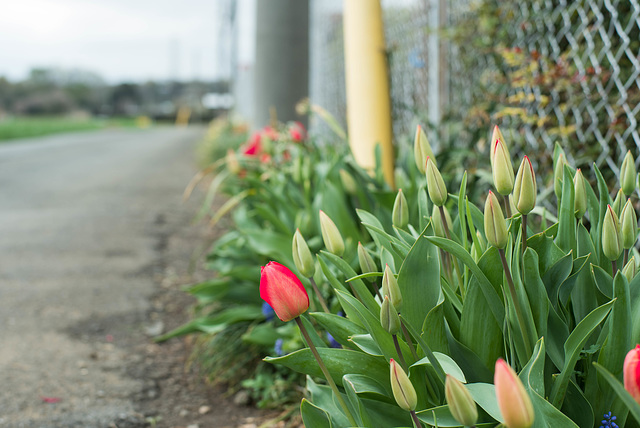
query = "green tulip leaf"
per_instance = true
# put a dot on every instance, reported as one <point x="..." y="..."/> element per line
<point x="384" y="340"/>
<point x="572" y="348"/>
<point x="356" y="406"/>
<point x="566" y="238"/>
<point x="323" y="398"/>
<point x="624" y="395"/>
<point x="447" y="363"/>
<point x="366" y="344"/>
<point x="493" y="300"/>
<point x="484" y="394"/>
<point x="339" y="362"/>
<point x="339" y="327"/>
<point x="313" y="416"/>
<point x="419" y="282"/>
<point x="368" y="387"/>
<point x="360" y="289"/>
<point x="619" y="339"/>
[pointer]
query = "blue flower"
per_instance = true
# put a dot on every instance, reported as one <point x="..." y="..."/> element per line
<point x="278" y="347"/>
<point x="332" y="342"/>
<point x="608" y="421"/>
<point x="267" y="311"/>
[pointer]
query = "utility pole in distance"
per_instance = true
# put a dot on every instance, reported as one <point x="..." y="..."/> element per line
<point x="282" y="60"/>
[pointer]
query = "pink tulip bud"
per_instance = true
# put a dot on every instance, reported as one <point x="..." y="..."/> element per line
<point x="283" y="291"/>
<point x="513" y="400"/>
<point x="632" y="373"/>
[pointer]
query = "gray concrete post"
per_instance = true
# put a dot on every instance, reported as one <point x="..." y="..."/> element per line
<point x="282" y="59"/>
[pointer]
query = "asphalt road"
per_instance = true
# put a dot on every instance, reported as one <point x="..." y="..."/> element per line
<point x="82" y="217"/>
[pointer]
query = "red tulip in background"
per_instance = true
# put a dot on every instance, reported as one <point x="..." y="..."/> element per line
<point x="632" y="373"/>
<point x="283" y="291"/>
<point x="297" y="132"/>
<point x="254" y="147"/>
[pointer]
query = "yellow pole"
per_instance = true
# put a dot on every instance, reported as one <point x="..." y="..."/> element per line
<point x="367" y="84"/>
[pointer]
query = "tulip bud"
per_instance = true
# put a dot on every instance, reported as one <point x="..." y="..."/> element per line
<point x="611" y="236"/>
<point x="558" y="175"/>
<point x="617" y="202"/>
<point x="580" y="200"/>
<point x="461" y="404"/>
<point x="629" y="270"/>
<point x="390" y="288"/>
<point x="513" y="400"/>
<point x="495" y="226"/>
<point x="402" y="388"/>
<point x="436" y="222"/>
<point x="628" y="225"/>
<point x="389" y="318"/>
<point x="632" y="373"/>
<point x="435" y="184"/>
<point x="283" y="291"/>
<point x="495" y="135"/>
<point x="628" y="174"/>
<point x="331" y="235"/>
<point x="232" y="162"/>
<point x="422" y="149"/>
<point x="502" y="169"/>
<point x="367" y="265"/>
<point x="302" y="256"/>
<point x="348" y="182"/>
<point x="400" y="213"/>
<point x="525" y="188"/>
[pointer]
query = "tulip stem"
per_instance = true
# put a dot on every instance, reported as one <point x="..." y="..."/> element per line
<point x="507" y="206"/>
<point x="614" y="267"/>
<point x="516" y="303"/>
<point x="625" y="259"/>
<point x="416" y="421"/>
<point x="456" y="266"/>
<point x="403" y="363"/>
<point x="326" y="373"/>
<point x="323" y="303"/>
<point x="524" y="232"/>
<point x="407" y="337"/>
<point x="377" y="290"/>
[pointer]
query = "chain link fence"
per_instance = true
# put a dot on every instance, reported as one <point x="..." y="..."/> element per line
<point x="549" y="70"/>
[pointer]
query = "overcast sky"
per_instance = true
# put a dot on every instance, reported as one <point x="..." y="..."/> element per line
<point x="122" y="40"/>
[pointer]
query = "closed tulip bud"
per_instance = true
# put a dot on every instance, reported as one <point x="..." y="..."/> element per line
<point x="495" y="135"/>
<point x="435" y="184"/>
<point x="389" y="318"/>
<point x="525" y="188"/>
<point x="628" y="174"/>
<point x="502" y="169"/>
<point x="367" y="265"/>
<point x="422" y="149"/>
<point x="629" y="270"/>
<point x="283" y="291"/>
<point x="618" y="202"/>
<point x="628" y="225"/>
<point x="558" y="175"/>
<point x="390" y="288"/>
<point x="611" y="235"/>
<point x="302" y="256"/>
<point x="348" y="182"/>
<point x="436" y="222"/>
<point x="495" y="226"/>
<point x="513" y="400"/>
<point x="632" y="373"/>
<point x="461" y="404"/>
<point x="580" y="200"/>
<point x="403" y="390"/>
<point x="331" y="235"/>
<point x="400" y="213"/>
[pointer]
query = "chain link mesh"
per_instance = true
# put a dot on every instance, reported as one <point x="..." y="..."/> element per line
<point x="580" y="62"/>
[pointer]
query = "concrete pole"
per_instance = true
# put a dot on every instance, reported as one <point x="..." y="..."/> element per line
<point x="282" y="60"/>
<point x="367" y="82"/>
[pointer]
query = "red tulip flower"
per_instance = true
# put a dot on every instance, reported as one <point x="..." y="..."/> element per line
<point x="254" y="147"/>
<point x="632" y="373"/>
<point x="297" y="132"/>
<point x="283" y="291"/>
